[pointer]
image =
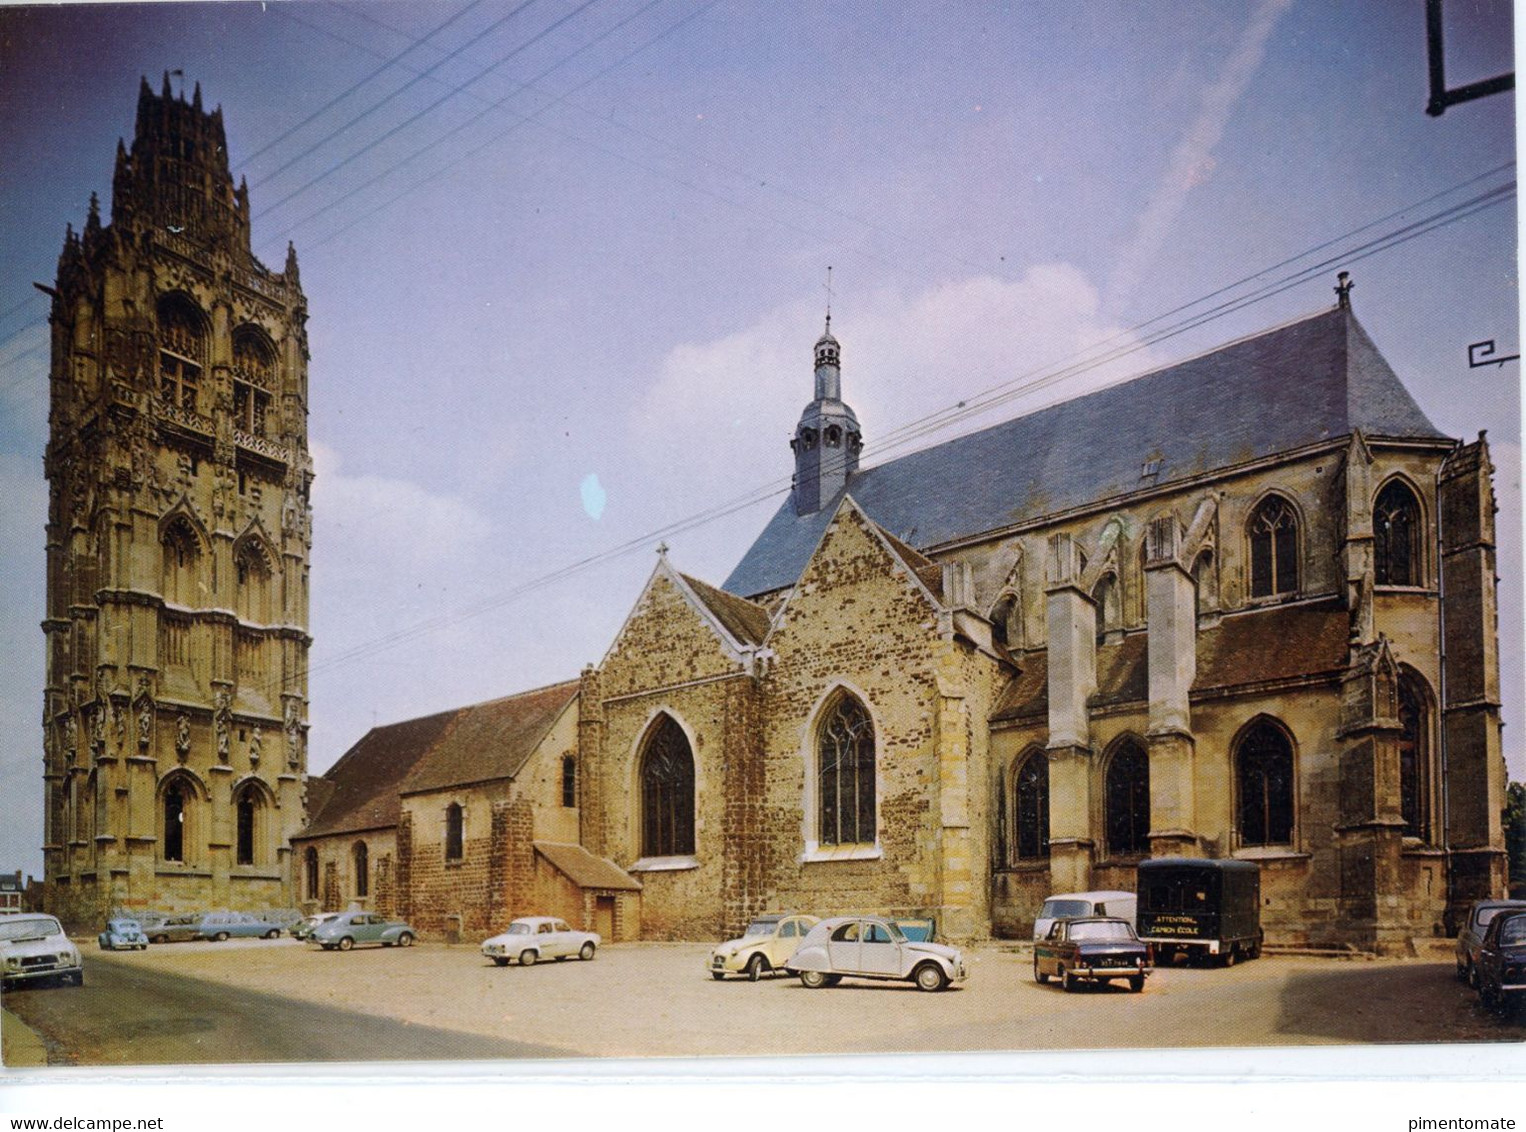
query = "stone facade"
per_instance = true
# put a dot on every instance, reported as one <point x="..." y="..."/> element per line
<point x="178" y="539"/>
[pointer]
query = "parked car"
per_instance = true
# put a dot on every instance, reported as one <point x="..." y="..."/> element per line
<point x="1074" y="905"/>
<point x="530" y="939"/>
<point x="349" y="928"/>
<point x="236" y="925"/>
<point x="1211" y="908"/>
<point x="122" y="934"/>
<point x="765" y="946"/>
<point x="870" y="947"/>
<point x="1095" y="949"/>
<point x="175" y="929"/>
<point x="33" y="947"/>
<point x="1501" y="962"/>
<point x="1472" y="935"/>
<point x="305" y="929"/>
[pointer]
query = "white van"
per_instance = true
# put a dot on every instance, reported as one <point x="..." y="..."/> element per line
<point x="1072" y="905"/>
<point x="33" y="946"/>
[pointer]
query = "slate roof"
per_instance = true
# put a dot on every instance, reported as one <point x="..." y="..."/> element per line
<point x="366" y="778"/>
<point x="584" y="869"/>
<point x="490" y="740"/>
<point x="1243" y="648"/>
<point x="1311" y="380"/>
<point x="747" y="621"/>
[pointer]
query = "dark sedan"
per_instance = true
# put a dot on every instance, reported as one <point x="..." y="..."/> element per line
<point x="1093" y="949"/>
<point x="1472" y="934"/>
<point x="1501" y="964"/>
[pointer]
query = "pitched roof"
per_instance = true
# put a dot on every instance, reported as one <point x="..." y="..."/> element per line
<point x="584" y="869"/>
<point x="364" y="782"/>
<point x="490" y="740"/>
<point x="1311" y="380"/>
<point x="1243" y="648"/>
<point x="745" y="620"/>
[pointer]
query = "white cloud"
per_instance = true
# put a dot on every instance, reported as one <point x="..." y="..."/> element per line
<point x="729" y="406"/>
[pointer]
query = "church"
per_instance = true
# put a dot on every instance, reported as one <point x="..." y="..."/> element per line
<point x="1239" y="607"/>
<point x="1199" y="613"/>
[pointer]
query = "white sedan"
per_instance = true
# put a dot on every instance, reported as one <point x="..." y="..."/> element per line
<point x="533" y="938"/>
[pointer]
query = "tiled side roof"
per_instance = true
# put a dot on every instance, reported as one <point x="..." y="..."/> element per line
<point x="1245" y="648"/>
<point x="584" y="869"/>
<point x="1311" y="380"/>
<point x="745" y="620"/>
<point x="490" y="740"/>
<point x="365" y="780"/>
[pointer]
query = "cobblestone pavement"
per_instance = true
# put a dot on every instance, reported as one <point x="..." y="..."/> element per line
<point x="656" y="999"/>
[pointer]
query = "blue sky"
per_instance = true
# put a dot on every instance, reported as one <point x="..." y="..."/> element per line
<point x="574" y="250"/>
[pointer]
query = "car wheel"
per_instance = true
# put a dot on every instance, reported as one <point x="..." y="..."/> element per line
<point x="159" y="939"/>
<point x="1038" y="976"/>
<point x="930" y="977"/>
<point x="1472" y="976"/>
<point x="1136" y="983"/>
<point x="585" y="952"/>
<point x="717" y="975"/>
<point x="755" y="968"/>
<point x="405" y="940"/>
<point x="813" y="979"/>
<point x="527" y="958"/>
<point x="273" y="933"/>
<point x="1069" y="981"/>
<point x="75" y="979"/>
<point x="500" y="960"/>
<point x="220" y="936"/>
<point x="346" y="943"/>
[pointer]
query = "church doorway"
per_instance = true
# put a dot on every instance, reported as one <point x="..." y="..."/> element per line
<point x="604" y="917"/>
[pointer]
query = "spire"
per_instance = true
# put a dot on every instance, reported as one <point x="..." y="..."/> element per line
<point x="196" y="96"/>
<point x="93" y="220"/>
<point x="292" y="277"/>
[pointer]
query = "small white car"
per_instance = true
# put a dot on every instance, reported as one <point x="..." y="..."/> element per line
<point x="767" y="945"/>
<point x="533" y="938"/>
<point x="870" y="947"/>
<point x="33" y="947"/>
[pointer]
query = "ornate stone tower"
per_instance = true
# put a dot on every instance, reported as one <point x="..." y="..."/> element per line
<point x="178" y="539"/>
<point x="827" y="439"/>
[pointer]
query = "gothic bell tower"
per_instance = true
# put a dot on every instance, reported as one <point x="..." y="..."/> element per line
<point x="178" y="540"/>
<point x="827" y="440"/>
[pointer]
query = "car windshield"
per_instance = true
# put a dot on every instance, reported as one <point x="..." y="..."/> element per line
<point x="1056" y="909"/>
<point x="519" y="929"/>
<point x="1486" y="914"/>
<point x="1101" y="930"/>
<point x="761" y="927"/>
<point x="30" y="928"/>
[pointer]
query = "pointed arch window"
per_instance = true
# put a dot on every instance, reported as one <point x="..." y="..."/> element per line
<point x="182" y="352"/>
<point x="569" y="781"/>
<point x="362" y="859"/>
<point x="1414" y="759"/>
<point x="176" y="806"/>
<point x="247" y="810"/>
<point x="454" y="822"/>
<point x="310" y="862"/>
<point x="1031" y="807"/>
<point x="252" y="579"/>
<point x="253" y="379"/>
<point x="180" y="553"/>
<point x="845" y="766"/>
<point x="1264" y="780"/>
<point x="667" y="792"/>
<point x="1273" y="548"/>
<point x="1127" y="800"/>
<point x="1396" y="536"/>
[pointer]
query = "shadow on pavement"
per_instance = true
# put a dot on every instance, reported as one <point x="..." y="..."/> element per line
<point x="1382" y="1004"/>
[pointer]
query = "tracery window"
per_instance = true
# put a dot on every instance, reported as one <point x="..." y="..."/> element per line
<point x="252" y="578"/>
<point x="175" y="807"/>
<point x="1264" y="780"/>
<point x="1273" y="548"/>
<point x="247" y="813"/>
<point x="1127" y="800"/>
<point x="180" y="552"/>
<point x="182" y="352"/>
<point x="362" y="869"/>
<point x="1396" y="535"/>
<point x="667" y="792"/>
<point x="845" y="774"/>
<point x="1031" y="807"/>
<point x="253" y="380"/>
<point x="310" y="858"/>
<point x="453" y="831"/>
<point x="1414" y="762"/>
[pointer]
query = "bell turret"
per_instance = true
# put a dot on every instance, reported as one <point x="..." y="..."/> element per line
<point x="827" y="440"/>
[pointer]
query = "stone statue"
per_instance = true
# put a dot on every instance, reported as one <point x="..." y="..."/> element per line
<point x="183" y="737"/>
